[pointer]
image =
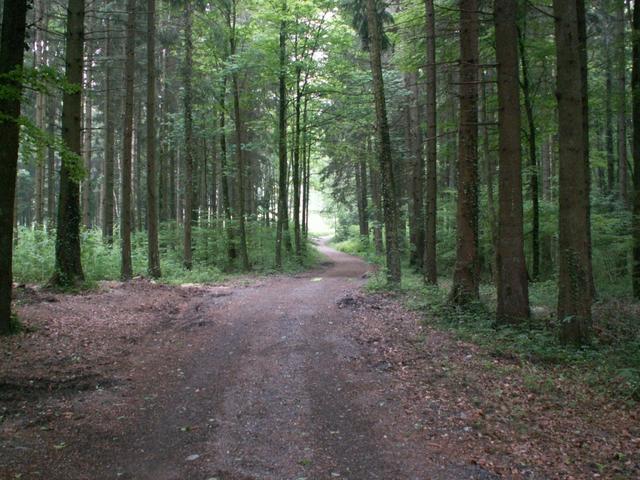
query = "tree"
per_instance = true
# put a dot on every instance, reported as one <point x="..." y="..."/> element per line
<point x="635" y="89"/>
<point x="533" y="162"/>
<point x="430" y="258"/>
<point x="188" y="132"/>
<point x="68" y="269"/>
<point x="389" y="200"/>
<point x="11" y="58"/>
<point x="466" y="276"/>
<point x="233" y="43"/>
<point x="127" y="141"/>
<point x="152" y="177"/>
<point x="282" y="138"/>
<point x="108" y="162"/>
<point x="513" y="294"/>
<point x="574" y="284"/>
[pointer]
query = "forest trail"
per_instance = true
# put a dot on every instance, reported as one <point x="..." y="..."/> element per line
<point x="265" y="381"/>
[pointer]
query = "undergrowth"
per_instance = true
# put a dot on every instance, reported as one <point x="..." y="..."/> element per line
<point x="610" y="365"/>
<point x="34" y="255"/>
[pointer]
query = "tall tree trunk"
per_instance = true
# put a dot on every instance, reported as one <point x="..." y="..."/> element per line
<point x="416" y="204"/>
<point x="297" y="236"/>
<point x="188" y="133"/>
<point x="621" y="103"/>
<point x="608" y="115"/>
<point x="282" y="141"/>
<point x="109" y="157"/>
<point x="364" y="221"/>
<point x="68" y="267"/>
<point x="11" y="58"/>
<point x="41" y="23"/>
<point x="126" y="269"/>
<point x="489" y="174"/>
<point x="513" y="290"/>
<point x="430" y="258"/>
<point x="51" y="165"/>
<point x="87" y="139"/>
<point x="152" y="176"/>
<point x="466" y="274"/>
<point x="389" y="199"/>
<point x="240" y="174"/>
<point x="306" y="150"/>
<point x="635" y="89"/>
<point x="575" y="284"/>
<point x="224" y="176"/>
<point x="533" y="158"/>
<point x="376" y="198"/>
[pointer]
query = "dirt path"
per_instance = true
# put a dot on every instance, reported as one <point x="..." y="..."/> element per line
<point x="265" y="381"/>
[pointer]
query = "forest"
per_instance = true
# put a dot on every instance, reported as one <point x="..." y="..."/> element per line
<point x="481" y="159"/>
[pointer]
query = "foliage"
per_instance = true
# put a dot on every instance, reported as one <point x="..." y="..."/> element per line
<point x="34" y="255"/>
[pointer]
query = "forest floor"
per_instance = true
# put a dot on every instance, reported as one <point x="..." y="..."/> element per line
<point x="283" y="378"/>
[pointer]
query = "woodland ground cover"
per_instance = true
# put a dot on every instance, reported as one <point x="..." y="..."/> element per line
<point x="609" y="366"/>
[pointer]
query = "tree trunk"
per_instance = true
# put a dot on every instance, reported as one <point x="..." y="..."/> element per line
<point x="533" y="161"/>
<point x="282" y="142"/>
<point x="11" y="58"/>
<point x="224" y="176"/>
<point x="608" y="116"/>
<point x="86" y="140"/>
<point x="109" y="160"/>
<point x="621" y="103"/>
<point x="513" y="290"/>
<point x="466" y="274"/>
<point x="635" y="89"/>
<point x="51" y="165"/>
<point x="431" y="222"/>
<point x="41" y="23"/>
<point x="126" y="270"/>
<point x="68" y="267"/>
<point x="575" y="285"/>
<point x="152" y="177"/>
<point x="416" y="204"/>
<point x="297" y="236"/>
<point x="389" y="198"/>
<point x="240" y="174"/>
<point x="188" y="134"/>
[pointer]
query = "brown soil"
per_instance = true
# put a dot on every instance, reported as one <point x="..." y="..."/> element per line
<point x="286" y="378"/>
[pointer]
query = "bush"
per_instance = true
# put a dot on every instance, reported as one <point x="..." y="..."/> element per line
<point x="34" y="254"/>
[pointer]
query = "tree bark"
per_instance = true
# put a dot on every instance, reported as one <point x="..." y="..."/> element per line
<point x="68" y="267"/>
<point x="282" y="141"/>
<point x="635" y="89"/>
<point x="126" y="269"/>
<point x="41" y="25"/>
<point x="533" y="158"/>
<point x="152" y="177"/>
<point x="430" y="246"/>
<point x="513" y="293"/>
<point x="188" y="135"/>
<point x="108" y="163"/>
<point x="575" y="285"/>
<point x="240" y="156"/>
<point x="389" y="198"/>
<point x="466" y="274"/>
<point x="621" y="103"/>
<point x="86" y="140"/>
<point x="11" y="58"/>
